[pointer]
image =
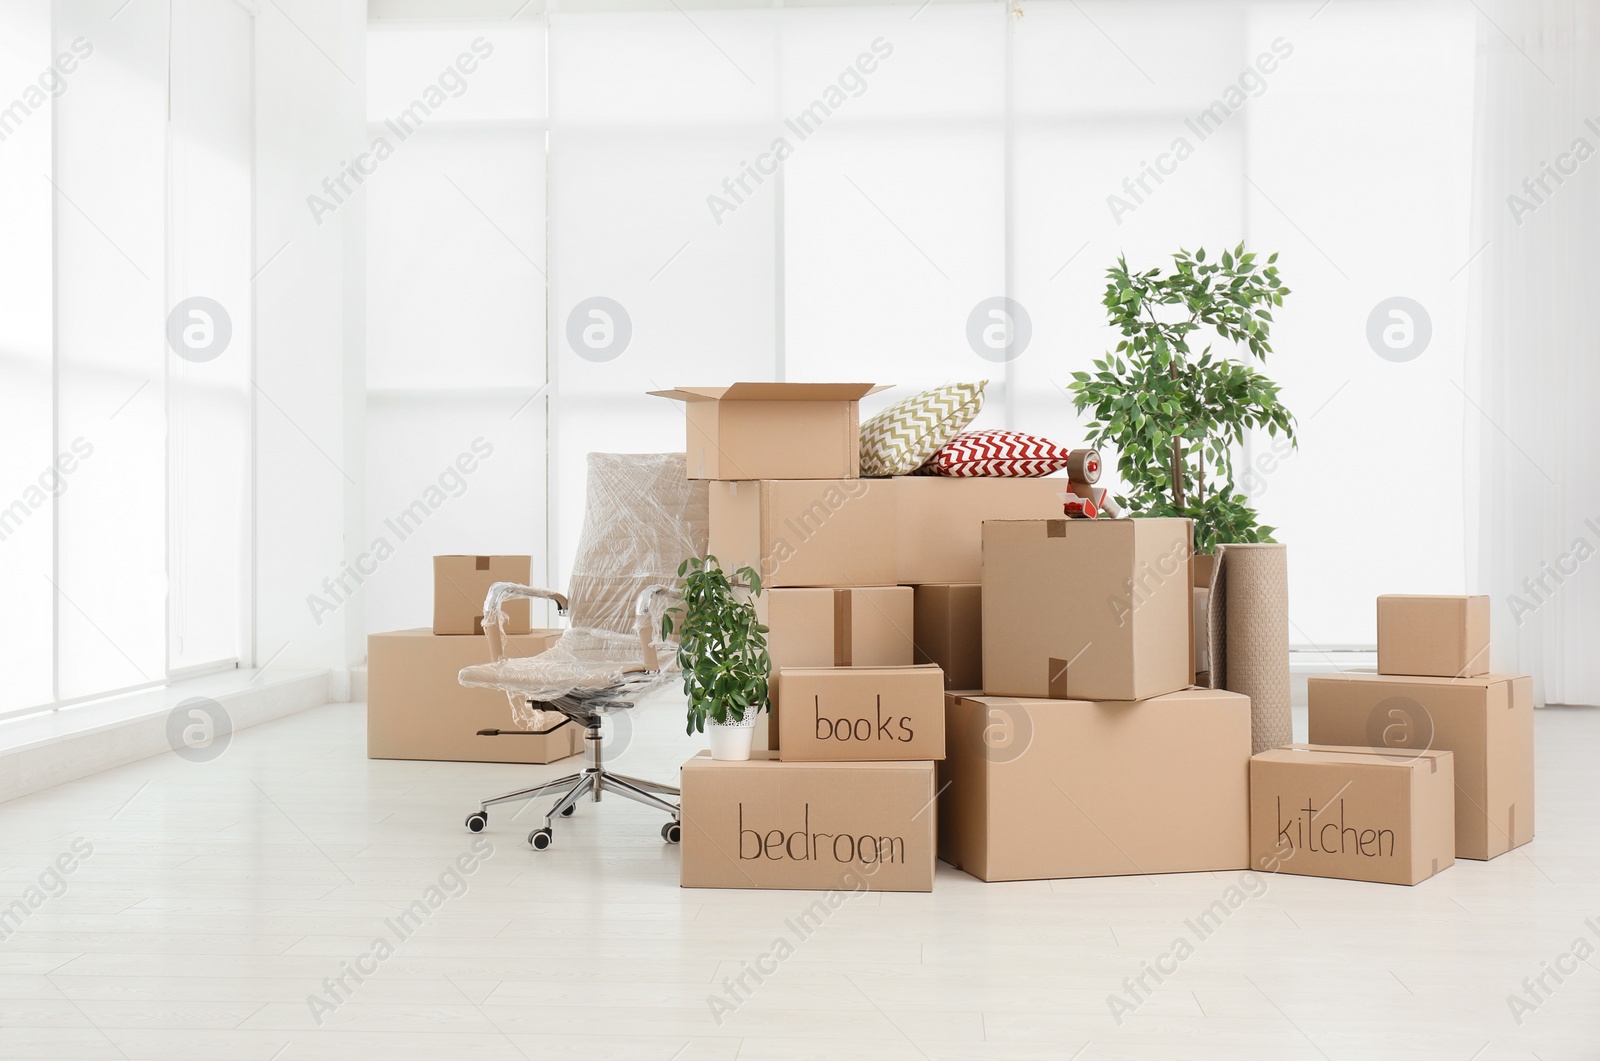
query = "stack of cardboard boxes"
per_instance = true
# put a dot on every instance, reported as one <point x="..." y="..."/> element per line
<point x="1426" y="761"/>
<point x="957" y="669"/>
<point x="859" y="725"/>
<point x="417" y="707"/>
<point x="896" y="604"/>
<point x="1089" y="754"/>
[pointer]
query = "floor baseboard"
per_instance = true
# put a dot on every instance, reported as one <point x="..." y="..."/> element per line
<point x="53" y="747"/>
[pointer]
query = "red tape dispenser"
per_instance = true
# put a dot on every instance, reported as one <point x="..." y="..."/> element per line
<point x="1084" y="499"/>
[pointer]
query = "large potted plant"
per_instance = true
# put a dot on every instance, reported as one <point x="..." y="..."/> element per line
<point x="1173" y="415"/>
<point x="722" y="651"/>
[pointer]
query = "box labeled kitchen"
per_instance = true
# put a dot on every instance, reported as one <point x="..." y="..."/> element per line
<point x="806" y="532"/>
<point x="817" y="826"/>
<point x="460" y="584"/>
<point x="1352" y="813"/>
<point x="949" y="632"/>
<point x="418" y="709"/>
<point x="1445" y="637"/>
<point x="773" y="430"/>
<point x="833" y="714"/>
<point x="1033" y="789"/>
<point x="1487" y="721"/>
<point x="1087" y="609"/>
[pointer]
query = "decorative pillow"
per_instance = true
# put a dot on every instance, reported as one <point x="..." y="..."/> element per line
<point x="997" y="453"/>
<point x="899" y="439"/>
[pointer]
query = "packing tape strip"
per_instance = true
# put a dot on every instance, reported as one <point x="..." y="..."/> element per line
<point x="843" y="636"/>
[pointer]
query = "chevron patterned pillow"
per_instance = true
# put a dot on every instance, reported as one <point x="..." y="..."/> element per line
<point x="911" y="430"/>
<point x="996" y="453"/>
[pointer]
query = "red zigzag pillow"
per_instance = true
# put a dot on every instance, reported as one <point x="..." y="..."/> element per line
<point x="996" y="453"/>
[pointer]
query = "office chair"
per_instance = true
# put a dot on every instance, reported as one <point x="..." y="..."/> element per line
<point x="643" y="517"/>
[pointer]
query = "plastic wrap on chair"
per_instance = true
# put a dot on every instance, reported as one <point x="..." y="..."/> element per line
<point x="643" y="517"/>
<point x="591" y="665"/>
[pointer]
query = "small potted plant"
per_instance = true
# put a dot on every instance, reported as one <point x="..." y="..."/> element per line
<point x="722" y="651"/>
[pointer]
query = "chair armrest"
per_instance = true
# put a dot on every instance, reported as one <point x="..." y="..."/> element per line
<point x="500" y="592"/>
<point x="494" y="614"/>
<point x="648" y="632"/>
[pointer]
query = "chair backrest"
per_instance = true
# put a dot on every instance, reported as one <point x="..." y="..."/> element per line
<point x="643" y="516"/>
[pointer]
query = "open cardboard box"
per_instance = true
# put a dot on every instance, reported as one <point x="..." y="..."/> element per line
<point x="773" y="430"/>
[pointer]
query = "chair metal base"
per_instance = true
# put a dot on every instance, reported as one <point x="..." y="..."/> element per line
<point x="592" y="783"/>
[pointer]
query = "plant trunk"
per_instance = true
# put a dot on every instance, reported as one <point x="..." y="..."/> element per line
<point x="1177" y="447"/>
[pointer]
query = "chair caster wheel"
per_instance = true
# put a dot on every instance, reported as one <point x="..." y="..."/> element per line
<point x="477" y="820"/>
<point x="672" y="832"/>
<point x="541" y="839"/>
<point x="568" y="812"/>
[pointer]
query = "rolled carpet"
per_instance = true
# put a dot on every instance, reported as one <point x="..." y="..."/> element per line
<point x="1248" y="638"/>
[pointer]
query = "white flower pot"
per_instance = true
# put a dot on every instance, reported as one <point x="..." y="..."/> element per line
<point x="731" y="741"/>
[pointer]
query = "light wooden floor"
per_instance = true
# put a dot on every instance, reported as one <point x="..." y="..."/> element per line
<point x="218" y="896"/>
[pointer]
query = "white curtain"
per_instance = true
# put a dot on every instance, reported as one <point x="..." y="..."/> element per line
<point x="1533" y="384"/>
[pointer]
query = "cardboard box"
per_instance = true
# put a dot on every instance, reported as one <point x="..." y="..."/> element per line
<point x="773" y="430"/>
<point x="1444" y="637"/>
<point x="939" y="521"/>
<point x="1352" y="813"/>
<point x="1034" y="789"/>
<point x="1486" y="721"/>
<point x="851" y="626"/>
<point x="460" y="584"/>
<point x="866" y="626"/>
<point x="824" y="826"/>
<point x="1202" y="640"/>
<point x="840" y="714"/>
<point x="806" y="532"/>
<point x="1087" y="609"/>
<point x="416" y="708"/>
<point x="949" y="632"/>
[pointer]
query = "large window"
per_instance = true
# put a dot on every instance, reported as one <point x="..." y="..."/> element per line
<point x="124" y="344"/>
<point x="830" y="192"/>
<point x="564" y="210"/>
<point x="456" y="404"/>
